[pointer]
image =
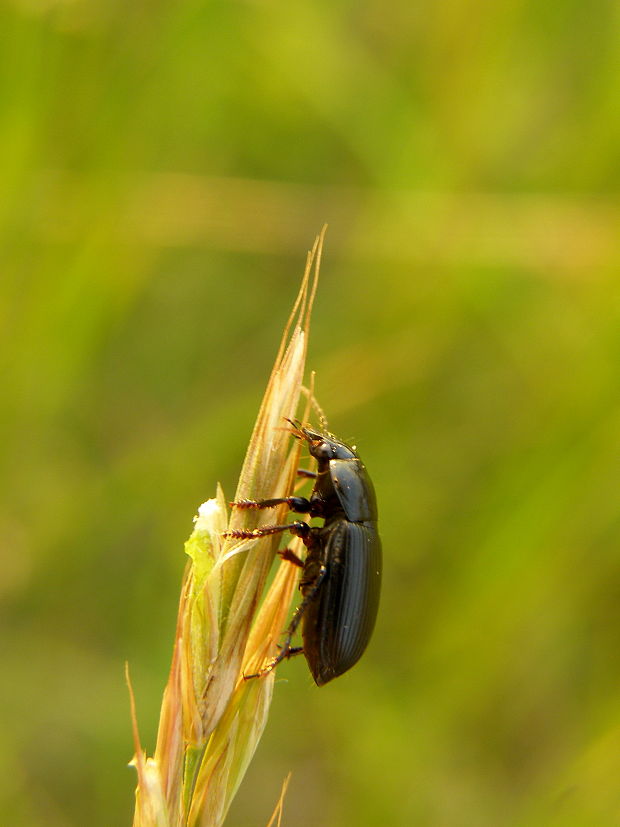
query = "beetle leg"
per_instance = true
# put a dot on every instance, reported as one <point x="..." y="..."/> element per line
<point x="294" y="650"/>
<point x="299" y="611"/>
<point x="299" y="528"/>
<point x="311" y="475"/>
<point x="289" y="555"/>
<point x="287" y="650"/>
<point x="299" y="504"/>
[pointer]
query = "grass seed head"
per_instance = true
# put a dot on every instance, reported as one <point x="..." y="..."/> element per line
<point x="211" y="718"/>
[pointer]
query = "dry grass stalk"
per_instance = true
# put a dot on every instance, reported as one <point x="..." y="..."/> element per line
<point x="211" y="718"/>
<point x="277" y="813"/>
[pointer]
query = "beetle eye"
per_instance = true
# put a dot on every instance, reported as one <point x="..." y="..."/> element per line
<point x="323" y="450"/>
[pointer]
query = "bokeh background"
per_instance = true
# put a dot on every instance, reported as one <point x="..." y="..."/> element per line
<point x="164" y="167"/>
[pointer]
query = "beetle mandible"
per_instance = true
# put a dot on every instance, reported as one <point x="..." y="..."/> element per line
<point x="341" y="578"/>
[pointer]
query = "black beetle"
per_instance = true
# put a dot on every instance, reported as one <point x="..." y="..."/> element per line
<point x="341" y="577"/>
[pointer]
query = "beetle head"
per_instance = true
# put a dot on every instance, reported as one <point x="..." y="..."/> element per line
<point x="326" y="446"/>
<point x="322" y="446"/>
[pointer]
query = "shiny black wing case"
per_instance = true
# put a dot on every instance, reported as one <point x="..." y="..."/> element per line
<point x="338" y="624"/>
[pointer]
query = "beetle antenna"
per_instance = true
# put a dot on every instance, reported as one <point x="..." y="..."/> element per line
<point x="295" y="429"/>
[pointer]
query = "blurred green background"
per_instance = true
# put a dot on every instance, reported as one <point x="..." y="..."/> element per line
<point x="164" y="166"/>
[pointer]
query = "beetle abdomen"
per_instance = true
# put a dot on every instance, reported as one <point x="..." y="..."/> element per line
<point x="338" y="624"/>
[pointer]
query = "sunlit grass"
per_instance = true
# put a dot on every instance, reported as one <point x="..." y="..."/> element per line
<point x="212" y="717"/>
